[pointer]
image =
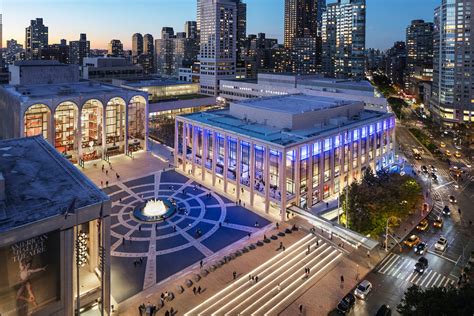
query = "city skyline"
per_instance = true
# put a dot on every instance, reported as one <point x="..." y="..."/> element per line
<point x="384" y="25"/>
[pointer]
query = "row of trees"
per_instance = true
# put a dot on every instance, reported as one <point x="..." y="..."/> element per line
<point x="437" y="301"/>
<point x="378" y="197"/>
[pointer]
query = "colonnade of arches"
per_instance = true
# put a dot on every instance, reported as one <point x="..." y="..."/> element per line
<point x="92" y="131"/>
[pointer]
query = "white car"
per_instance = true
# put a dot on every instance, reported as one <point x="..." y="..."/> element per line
<point x="441" y="244"/>
<point x="363" y="289"/>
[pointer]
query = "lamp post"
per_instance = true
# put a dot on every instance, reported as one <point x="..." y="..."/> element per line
<point x="386" y="231"/>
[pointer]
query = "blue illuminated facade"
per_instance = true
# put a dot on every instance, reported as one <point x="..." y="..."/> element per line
<point x="269" y="175"/>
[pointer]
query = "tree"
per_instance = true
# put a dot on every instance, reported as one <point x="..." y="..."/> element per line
<point x="437" y="301"/>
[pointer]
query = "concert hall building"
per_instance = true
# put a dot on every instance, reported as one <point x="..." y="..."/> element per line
<point x="273" y="152"/>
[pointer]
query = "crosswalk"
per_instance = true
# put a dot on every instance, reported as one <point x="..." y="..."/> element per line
<point x="280" y="281"/>
<point x="402" y="268"/>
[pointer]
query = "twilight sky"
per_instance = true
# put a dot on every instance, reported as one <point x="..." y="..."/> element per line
<point x="103" y="20"/>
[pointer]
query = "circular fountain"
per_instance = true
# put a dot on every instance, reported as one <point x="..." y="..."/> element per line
<point x="154" y="210"/>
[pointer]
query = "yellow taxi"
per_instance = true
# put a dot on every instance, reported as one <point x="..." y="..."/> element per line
<point x="442" y="145"/>
<point x="423" y="225"/>
<point x="438" y="223"/>
<point x="448" y="153"/>
<point x="412" y="241"/>
<point x="457" y="154"/>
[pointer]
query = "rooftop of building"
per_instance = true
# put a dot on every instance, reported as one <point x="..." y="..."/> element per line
<point x="40" y="63"/>
<point x="80" y="88"/>
<point x="40" y="183"/>
<point x="223" y="119"/>
<point x="295" y="103"/>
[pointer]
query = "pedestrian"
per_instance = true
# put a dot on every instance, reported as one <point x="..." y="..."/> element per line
<point x="470" y="223"/>
<point x="140" y="228"/>
<point x="234" y="275"/>
<point x="250" y="277"/>
<point x="308" y="249"/>
<point x="101" y="183"/>
<point x="342" y="279"/>
<point x="107" y="183"/>
<point x="123" y="240"/>
<point x="106" y="172"/>
<point x="368" y="254"/>
<point x="249" y="234"/>
<point x="199" y="290"/>
<point x="459" y="210"/>
<point x="278" y="288"/>
<point x="102" y="168"/>
<point x="200" y="264"/>
<point x="167" y="313"/>
<point x="327" y="204"/>
<point x="301" y="308"/>
<point x="284" y="248"/>
<point x="281" y="245"/>
<point x="277" y="225"/>
<point x="256" y="279"/>
<point x="317" y="243"/>
<point x="194" y="290"/>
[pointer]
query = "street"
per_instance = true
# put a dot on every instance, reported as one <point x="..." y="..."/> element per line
<point x="393" y="275"/>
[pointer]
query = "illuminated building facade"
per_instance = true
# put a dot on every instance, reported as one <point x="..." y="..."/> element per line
<point x="272" y="152"/>
<point x="452" y="98"/>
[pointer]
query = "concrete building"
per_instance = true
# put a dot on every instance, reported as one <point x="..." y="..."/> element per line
<point x="105" y="69"/>
<point x="217" y="22"/>
<point x="54" y="234"/>
<point x="13" y="48"/>
<point x="59" y="52"/>
<point x="36" y="38"/>
<point x="190" y="28"/>
<point x="343" y="39"/>
<point x="452" y="99"/>
<point x="272" y="152"/>
<point x="79" y="49"/>
<point x="137" y="44"/>
<point x="419" y="46"/>
<point x="396" y="62"/>
<point x="83" y="120"/>
<point x="42" y="72"/>
<point x="174" y="52"/>
<point x="268" y="84"/>
<point x="115" y="48"/>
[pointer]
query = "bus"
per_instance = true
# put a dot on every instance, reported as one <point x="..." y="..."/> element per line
<point x="416" y="154"/>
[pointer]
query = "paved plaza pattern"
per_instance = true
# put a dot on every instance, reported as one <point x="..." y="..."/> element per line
<point x="144" y="254"/>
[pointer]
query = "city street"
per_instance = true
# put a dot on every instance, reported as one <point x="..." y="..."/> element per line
<point x="395" y="273"/>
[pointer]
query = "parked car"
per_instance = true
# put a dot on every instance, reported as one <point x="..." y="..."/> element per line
<point x="412" y="241"/>
<point x="346" y="304"/>
<point x="441" y="244"/>
<point x="421" y="265"/>
<point x="452" y="199"/>
<point x="438" y="222"/>
<point x="420" y="248"/>
<point x="423" y="225"/>
<point x="433" y="168"/>
<point x="384" y="310"/>
<point x="363" y="289"/>
<point x="446" y="210"/>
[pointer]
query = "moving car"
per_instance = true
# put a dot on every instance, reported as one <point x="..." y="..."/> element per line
<point x="434" y="177"/>
<point x="442" y="144"/>
<point x="452" y="199"/>
<point x="457" y="154"/>
<point x="433" y="168"/>
<point x="421" y="265"/>
<point x="384" y="310"/>
<point x="412" y="241"/>
<point x="346" y="304"/>
<point x="363" y="289"/>
<point x="446" y="210"/>
<point x="441" y="244"/>
<point x="438" y="223"/>
<point x="424" y="169"/>
<point x="423" y="225"/>
<point x="420" y="248"/>
<point x="448" y="153"/>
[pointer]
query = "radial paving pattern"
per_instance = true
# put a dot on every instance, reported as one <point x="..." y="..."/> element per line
<point x="146" y="253"/>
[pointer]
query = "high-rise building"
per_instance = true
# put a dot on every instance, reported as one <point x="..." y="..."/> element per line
<point x="343" y="39"/>
<point x="241" y="29"/>
<point x="302" y="34"/>
<point x="147" y="59"/>
<point x="218" y="35"/>
<point x="148" y="44"/>
<point x="59" y="52"/>
<point x="115" y="48"/>
<point x="190" y="28"/>
<point x="452" y="93"/>
<point x="137" y="44"/>
<point x="167" y="31"/>
<point x="13" y="49"/>
<point x="419" y="45"/>
<point x="36" y="38"/>
<point x="1" y="32"/>
<point x="395" y="63"/>
<point x="79" y="49"/>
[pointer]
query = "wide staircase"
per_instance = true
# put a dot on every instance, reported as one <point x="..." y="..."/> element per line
<point x="281" y="280"/>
